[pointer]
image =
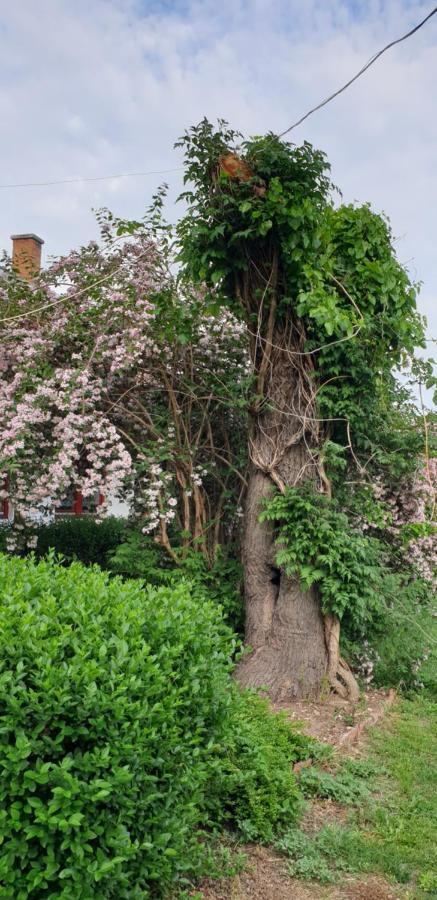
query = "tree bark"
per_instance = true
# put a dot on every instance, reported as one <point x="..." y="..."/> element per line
<point x="284" y="624"/>
<point x="293" y="650"/>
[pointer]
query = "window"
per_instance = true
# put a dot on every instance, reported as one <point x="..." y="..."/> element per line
<point x="74" y="504"/>
<point x="4" y="504"/>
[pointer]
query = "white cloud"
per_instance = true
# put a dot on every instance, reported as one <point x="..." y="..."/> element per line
<point x="106" y="86"/>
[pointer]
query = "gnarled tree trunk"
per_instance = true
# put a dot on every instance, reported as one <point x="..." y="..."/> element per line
<point x="294" y="650"/>
<point x="284" y="624"/>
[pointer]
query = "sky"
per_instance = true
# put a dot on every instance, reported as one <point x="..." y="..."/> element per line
<point x="95" y="87"/>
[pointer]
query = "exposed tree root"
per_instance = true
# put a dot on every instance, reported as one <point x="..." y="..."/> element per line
<point x="339" y="674"/>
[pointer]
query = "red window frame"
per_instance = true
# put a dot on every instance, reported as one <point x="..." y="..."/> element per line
<point x="4" y="504"/>
<point x="76" y="509"/>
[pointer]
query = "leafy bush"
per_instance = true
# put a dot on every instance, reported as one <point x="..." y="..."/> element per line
<point x="398" y="647"/>
<point x="80" y="538"/>
<point x="404" y="644"/>
<point x="257" y="790"/>
<point x="113" y="699"/>
<point x="122" y="736"/>
<point x="140" y="557"/>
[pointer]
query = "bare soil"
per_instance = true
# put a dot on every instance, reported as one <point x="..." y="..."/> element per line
<point x="323" y="812"/>
<point x="266" y="878"/>
<point x="337" y="722"/>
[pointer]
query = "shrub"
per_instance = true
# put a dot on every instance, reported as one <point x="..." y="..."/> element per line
<point x="113" y="702"/>
<point x="122" y="736"/>
<point x="257" y="791"/>
<point x="140" y="557"/>
<point x="404" y="646"/>
<point x="398" y="648"/>
<point x="81" y="538"/>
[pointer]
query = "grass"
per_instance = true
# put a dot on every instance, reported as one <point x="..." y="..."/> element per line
<point x="407" y="822"/>
<point x="393" y="831"/>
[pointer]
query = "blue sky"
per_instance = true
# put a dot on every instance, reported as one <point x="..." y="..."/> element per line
<point x="100" y="86"/>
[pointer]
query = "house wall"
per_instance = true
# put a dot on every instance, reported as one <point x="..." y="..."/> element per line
<point x="114" y="507"/>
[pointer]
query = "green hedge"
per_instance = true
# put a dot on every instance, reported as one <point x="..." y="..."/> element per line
<point x="80" y="538"/>
<point x="139" y="556"/>
<point x="112" y="701"/>
<point x="122" y="736"/>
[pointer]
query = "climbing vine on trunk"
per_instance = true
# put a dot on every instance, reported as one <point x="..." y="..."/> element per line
<point x="330" y="314"/>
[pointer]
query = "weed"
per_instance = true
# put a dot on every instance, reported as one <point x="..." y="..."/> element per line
<point x="306" y="862"/>
<point x="349" y="784"/>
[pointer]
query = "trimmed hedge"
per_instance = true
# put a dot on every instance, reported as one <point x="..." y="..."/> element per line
<point x="78" y="538"/>
<point x="82" y="538"/>
<point x="114" y="707"/>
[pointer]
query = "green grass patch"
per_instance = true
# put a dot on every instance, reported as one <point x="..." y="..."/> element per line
<point x="393" y="829"/>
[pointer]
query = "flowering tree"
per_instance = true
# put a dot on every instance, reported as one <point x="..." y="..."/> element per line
<point x="114" y="380"/>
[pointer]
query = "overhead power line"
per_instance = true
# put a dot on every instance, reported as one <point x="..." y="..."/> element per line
<point x="310" y="112"/>
<point x="361" y="72"/>
<point x="98" y="178"/>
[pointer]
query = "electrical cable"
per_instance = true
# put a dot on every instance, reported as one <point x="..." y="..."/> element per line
<point x="97" y="178"/>
<point x="281" y="134"/>
<point x="361" y="72"/>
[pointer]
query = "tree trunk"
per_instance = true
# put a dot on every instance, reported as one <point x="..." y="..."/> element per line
<point x="284" y="624"/>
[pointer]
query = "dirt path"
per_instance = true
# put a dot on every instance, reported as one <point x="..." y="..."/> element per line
<point x="266" y="875"/>
<point x="266" y="878"/>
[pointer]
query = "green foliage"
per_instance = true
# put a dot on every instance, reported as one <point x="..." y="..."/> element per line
<point x="113" y="701"/>
<point x="398" y="646"/>
<point x="229" y="221"/>
<point x="306" y="747"/>
<point x="81" y="538"/>
<point x="306" y="861"/>
<point x="77" y="538"/>
<point x="338" y="274"/>
<point x="396" y="833"/>
<point x="389" y="632"/>
<point x="359" y="288"/>
<point x="316" y="542"/>
<point x="141" y="557"/>
<point x="334" y="851"/>
<point x="122" y="736"/>
<point x="348" y="784"/>
<point x="257" y="791"/>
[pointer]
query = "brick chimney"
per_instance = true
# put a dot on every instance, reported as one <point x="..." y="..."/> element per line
<point x="26" y="254"/>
